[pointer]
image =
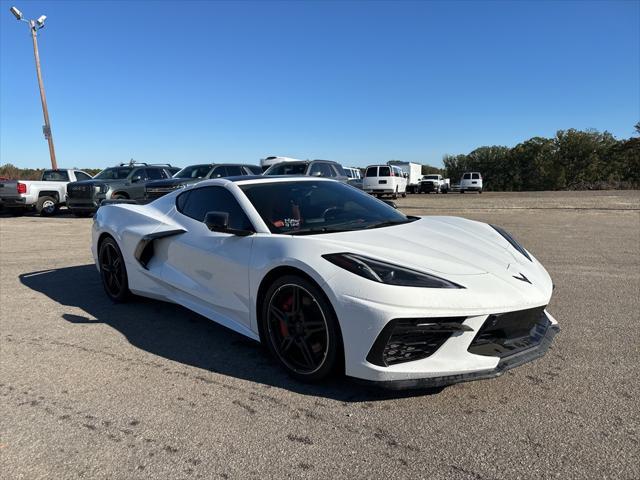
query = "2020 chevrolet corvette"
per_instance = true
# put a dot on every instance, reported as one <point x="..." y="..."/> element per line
<point x="331" y="279"/>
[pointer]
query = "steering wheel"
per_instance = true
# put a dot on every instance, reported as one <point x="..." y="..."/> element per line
<point x="332" y="212"/>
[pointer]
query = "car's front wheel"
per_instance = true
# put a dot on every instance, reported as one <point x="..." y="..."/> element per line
<point x="300" y="329"/>
<point x="113" y="271"/>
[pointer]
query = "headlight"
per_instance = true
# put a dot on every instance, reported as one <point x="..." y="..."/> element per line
<point x="514" y="243"/>
<point x="387" y="273"/>
<point x="104" y="188"/>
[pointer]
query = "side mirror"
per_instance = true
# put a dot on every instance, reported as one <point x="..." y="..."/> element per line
<point x="136" y="179"/>
<point x="219" y="222"/>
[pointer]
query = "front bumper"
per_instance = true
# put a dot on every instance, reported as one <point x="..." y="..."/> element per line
<point x="506" y="363"/>
<point x="428" y="187"/>
<point x="84" y="204"/>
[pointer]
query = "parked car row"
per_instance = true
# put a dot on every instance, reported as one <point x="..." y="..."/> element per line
<point x="142" y="182"/>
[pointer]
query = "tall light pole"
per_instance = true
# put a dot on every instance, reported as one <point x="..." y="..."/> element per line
<point x="34" y="26"/>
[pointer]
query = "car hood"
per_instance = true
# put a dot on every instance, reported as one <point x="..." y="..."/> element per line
<point x="443" y="245"/>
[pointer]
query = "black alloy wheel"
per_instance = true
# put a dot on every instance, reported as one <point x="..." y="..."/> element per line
<point x="113" y="271"/>
<point x="300" y="329"/>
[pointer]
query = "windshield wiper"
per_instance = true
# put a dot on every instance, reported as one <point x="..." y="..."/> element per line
<point x="389" y="223"/>
<point x="313" y="231"/>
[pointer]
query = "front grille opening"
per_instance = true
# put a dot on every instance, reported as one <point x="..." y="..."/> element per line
<point x="408" y="339"/>
<point x="506" y="334"/>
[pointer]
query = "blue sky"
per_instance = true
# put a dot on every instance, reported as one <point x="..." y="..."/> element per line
<point x="357" y="82"/>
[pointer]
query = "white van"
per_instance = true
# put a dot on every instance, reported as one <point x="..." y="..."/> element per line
<point x="471" y="182"/>
<point x="352" y="172"/>
<point x="382" y="180"/>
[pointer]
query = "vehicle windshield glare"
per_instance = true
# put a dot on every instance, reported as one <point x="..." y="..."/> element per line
<point x="114" y="173"/>
<point x="287" y="168"/>
<point x="194" y="171"/>
<point x="313" y="207"/>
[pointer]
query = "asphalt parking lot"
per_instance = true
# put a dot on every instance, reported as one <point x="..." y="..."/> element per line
<point x="94" y="390"/>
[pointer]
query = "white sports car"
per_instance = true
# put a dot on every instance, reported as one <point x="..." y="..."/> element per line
<point x="332" y="279"/>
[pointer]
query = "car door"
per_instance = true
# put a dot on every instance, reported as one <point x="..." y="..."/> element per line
<point x="138" y="178"/>
<point x="211" y="269"/>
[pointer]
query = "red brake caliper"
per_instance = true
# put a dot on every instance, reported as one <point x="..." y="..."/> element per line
<point x="286" y="307"/>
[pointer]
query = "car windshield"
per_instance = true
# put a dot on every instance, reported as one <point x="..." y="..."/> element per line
<point x="287" y="169"/>
<point x="193" y="171"/>
<point x="431" y="177"/>
<point x="115" y="173"/>
<point x="313" y="207"/>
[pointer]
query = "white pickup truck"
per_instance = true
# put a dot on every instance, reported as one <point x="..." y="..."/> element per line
<point x="435" y="183"/>
<point x="45" y="195"/>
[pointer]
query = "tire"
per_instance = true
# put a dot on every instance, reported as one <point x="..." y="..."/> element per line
<point x="404" y="194"/>
<point x="479" y="192"/>
<point x="113" y="271"/>
<point x="395" y="194"/>
<point x="461" y="191"/>
<point x="300" y="329"/>
<point x="46" y="206"/>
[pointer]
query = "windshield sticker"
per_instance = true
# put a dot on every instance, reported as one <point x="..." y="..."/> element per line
<point x="291" y="222"/>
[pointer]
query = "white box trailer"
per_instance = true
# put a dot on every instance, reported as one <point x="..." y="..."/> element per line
<point x="414" y="174"/>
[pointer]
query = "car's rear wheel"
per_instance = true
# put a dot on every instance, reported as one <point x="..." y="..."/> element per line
<point x="113" y="271"/>
<point x="46" y="206"/>
<point x="300" y="329"/>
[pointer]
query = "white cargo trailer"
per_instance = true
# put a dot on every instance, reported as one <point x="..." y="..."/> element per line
<point x="413" y="171"/>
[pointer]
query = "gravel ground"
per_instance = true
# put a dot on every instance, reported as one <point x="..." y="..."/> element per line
<point x="149" y="390"/>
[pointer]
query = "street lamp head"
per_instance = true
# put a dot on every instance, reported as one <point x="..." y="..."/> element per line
<point x="41" y="20"/>
<point x="16" y="13"/>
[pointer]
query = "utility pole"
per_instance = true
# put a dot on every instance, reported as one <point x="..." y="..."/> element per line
<point x="34" y="26"/>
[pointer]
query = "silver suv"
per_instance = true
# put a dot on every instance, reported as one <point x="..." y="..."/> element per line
<point x="311" y="168"/>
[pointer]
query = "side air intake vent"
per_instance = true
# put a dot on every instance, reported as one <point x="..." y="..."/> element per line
<point x="408" y="339"/>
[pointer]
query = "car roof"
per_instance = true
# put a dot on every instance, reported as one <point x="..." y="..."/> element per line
<point x="251" y="179"/>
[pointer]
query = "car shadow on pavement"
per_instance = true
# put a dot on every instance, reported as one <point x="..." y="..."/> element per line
<point x="175" y="333"/>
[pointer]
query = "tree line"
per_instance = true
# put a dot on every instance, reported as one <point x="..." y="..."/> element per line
<point x="572" y="160"/>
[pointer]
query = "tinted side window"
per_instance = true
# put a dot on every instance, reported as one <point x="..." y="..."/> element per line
<point x="218" y="172"/>
<point x="82" y="176"/>
<point x="475" y="176"/>
<point x="139" y="172"/>
<point x="196" y="203"/>
<point x="55" y="176"/>
<point x="233" y="170"/>
<point x="467" y="176"/>
<point x="322" y="168"/>
<point x="384" y="172"/>
<point x="253" y="169"/>
<point x="371" y="172"/>
<point x="155" y="174"/>
<point x="339" y="170"/>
